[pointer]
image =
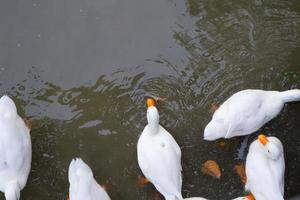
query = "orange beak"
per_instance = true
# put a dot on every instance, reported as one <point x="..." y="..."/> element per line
<point x="263" y="139"/>
<point x="250" y="197"/>
<point x="151" y="102"/>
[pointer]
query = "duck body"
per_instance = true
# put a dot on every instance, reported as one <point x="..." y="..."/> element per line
<point x="247" y="111"/>
<point x="244" y="198"/>
<point x="15" y="150"/>
<point x="265" y="174"/>
<point x="159" y="157"/>
<point x="249" y="197"/>
<point x="82" y="183"/>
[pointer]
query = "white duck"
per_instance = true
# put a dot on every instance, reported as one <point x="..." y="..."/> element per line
<point x="15" y="150"/>
<point x="247" y="111"/>
<point x="159" y="156"/>
<point x="82" y="183"/>
<point x="248" y="197"/>
<point x="265" y="169"/>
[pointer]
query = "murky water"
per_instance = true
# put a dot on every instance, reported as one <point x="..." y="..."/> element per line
<point x="80" y="70"/>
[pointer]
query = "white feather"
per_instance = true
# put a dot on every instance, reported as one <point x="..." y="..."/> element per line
<point x="247" y="111"/>
<point x="159" y="158"/>
<point x="201" y="198"/>
<point x="265" y="176"/>
<point x="82" y="183"/>
<point x="15" y="150"/>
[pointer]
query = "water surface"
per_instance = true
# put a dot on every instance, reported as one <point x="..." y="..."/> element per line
<point x="80" y="70"/>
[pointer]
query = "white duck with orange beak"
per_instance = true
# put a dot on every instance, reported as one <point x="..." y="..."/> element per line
<point x="265" y="169"/>
<point x="159" y="156"/>
<point x="15" y="150"/>
<point x="247" y="111"/>
<point x="82" y="183"/>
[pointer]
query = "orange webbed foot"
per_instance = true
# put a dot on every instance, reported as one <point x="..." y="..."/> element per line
<point x="28" y="124"/>
<point x="142" y="181"/>
<point x="211" y="167"/>
<point x="222" y="143"/>
<point x="240" y="170"/>
<point x="214" y="107"/>
<point x="106" y="186"/>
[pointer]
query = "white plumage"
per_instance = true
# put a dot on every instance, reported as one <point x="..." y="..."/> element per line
<point x="15" y="150"/>
<point x="82" y="183"/>
<point x="239" y="198"/>
<point x="265" y="169"/>
<point x="249" y="197"/>
<point x="247" y="111"/>
<point x="159" y="157"/>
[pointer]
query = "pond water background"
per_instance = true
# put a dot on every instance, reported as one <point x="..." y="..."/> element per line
<point x="80" y="70"/>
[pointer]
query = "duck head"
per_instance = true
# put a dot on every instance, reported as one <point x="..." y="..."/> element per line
<point x="214" y="130"/>
<point x="152" y="115"/>
<point x="7" y="106"/>
<point x="270" y="148"/>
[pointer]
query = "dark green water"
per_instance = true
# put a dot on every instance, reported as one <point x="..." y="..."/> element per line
<point x="81" y="70"/>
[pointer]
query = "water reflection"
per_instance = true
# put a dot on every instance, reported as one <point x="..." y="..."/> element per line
<point x="231" y="42"/>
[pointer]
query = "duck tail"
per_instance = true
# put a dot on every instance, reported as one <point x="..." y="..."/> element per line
<point x="290" y="95"/>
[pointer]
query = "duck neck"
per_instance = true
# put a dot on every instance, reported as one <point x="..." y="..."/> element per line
<point x="153" y="119"/>
<point x="12" y="192"/>
<point x="153" y="127"/>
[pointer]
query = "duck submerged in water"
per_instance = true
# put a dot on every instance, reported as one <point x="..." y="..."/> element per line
<point x="247" y="111"/>
<point x="15" y="150"/>
<point x="265" y="169"/>
<point x="82" y="183"/>
<point x="159" y="156"/>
